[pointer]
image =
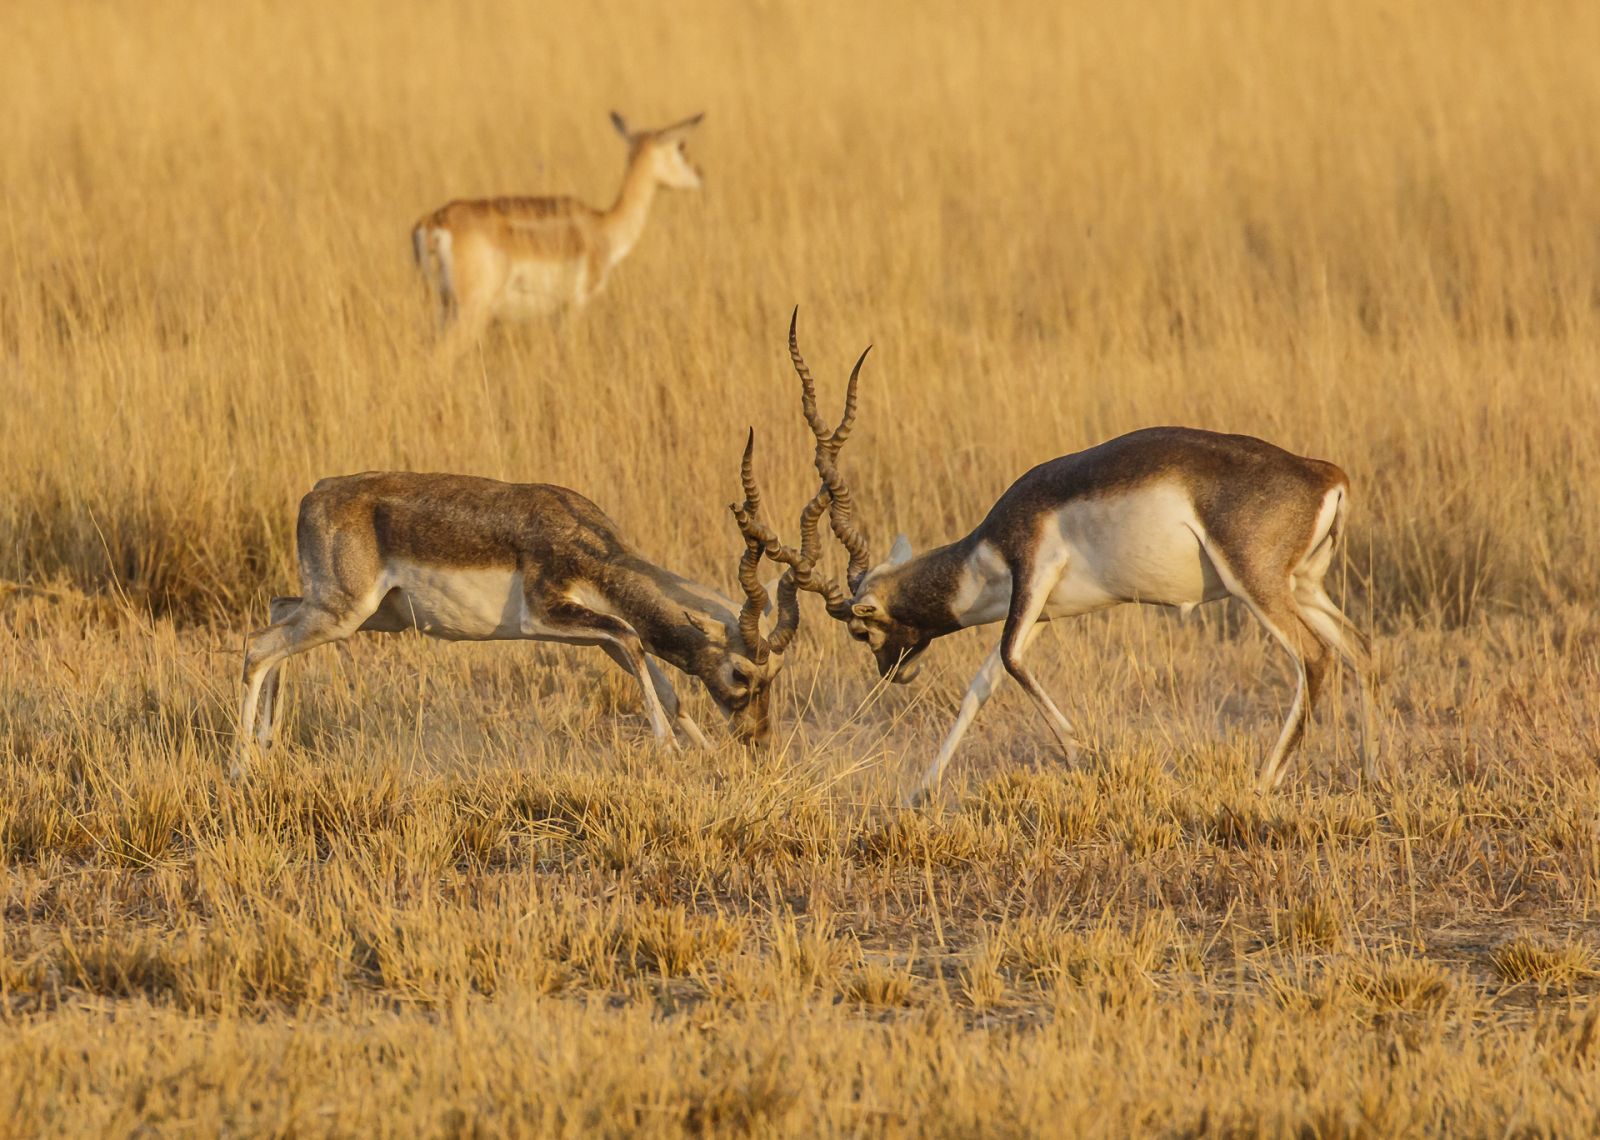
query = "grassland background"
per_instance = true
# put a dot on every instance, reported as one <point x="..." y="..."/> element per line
<point x="468" y="894"/>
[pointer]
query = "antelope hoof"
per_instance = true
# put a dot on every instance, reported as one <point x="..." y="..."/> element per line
<point x="1267" y="782"/>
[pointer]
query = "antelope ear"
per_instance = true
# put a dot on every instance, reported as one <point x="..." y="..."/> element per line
<point x="679" y="131"/>
<point x="743" y="669"/>
<point x="621" y="124"/>
<point x="900" y="552"/>
<point x="715" y="631"/>
<point x="867" y="610"/>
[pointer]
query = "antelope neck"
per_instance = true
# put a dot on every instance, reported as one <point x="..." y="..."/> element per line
<point x="920" y="591"/>
<point x="625" y="220"/>
<point x="654" y="601"/>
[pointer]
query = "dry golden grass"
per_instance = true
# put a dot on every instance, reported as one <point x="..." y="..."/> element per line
<point x="468" y="896"/>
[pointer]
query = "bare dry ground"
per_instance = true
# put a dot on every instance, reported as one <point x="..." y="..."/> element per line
<point x="468" y="896"/>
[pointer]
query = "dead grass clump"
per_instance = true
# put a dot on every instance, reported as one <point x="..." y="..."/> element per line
<point x="673" y="941"/>
<point x="1142" y="835"/>
<point x="938" y="839"/>
<point x="235" y="866"/>
<point x="1046" y="953"/>
<point x="1575" y="1038"/>
<point x="879" y="983"/>
<point x="1253" y="825"/>
<point x="483" y="818"/>
<point x="479" y="840"/>
<point x="127" y="963"/>
<point x="982" y="976"/>
<point x="1399" y="982"/>
<point x="274" y="957"/>
<point x="619" y="821"/>
<point x="299" y="798"/>
<point x="33" y="824"/>
<point x="434" y="954"/>
<point x="780" y="830"/>
<point x="1315" y="924"/>
<point x="1298" y="995"/>
<point x="741" y="1096"/>
<point x="813" y="954"/>
<point x="1049" y="809"/>
<point x="1528" y="958"/>
<point x="570" y="802"/>
<point x="143" y="827"/>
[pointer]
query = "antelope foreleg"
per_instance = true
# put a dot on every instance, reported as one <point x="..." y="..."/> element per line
<point x="1028" y="600"/>
<point x="979" y="690"/>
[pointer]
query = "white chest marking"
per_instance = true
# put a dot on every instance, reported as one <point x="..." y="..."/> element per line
<point x="984" y="594"/>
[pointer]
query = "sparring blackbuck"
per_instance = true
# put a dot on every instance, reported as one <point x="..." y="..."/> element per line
<point x="517" y="258"/>
<point x="469" y="559"/>
<point x="1168" y="516"/>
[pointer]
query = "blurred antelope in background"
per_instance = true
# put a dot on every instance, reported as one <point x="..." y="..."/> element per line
<point x="468" y="559"/>
<point x="1166" y="516"/>
<point x="516" y="258"/>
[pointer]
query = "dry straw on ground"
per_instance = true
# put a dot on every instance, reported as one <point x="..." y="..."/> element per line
<point x="467" y="895"/>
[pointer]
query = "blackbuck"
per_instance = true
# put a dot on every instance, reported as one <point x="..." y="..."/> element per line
<point x="468" y="559"/>
<point x="1167" y="516"/>
<point x="517" y="258"/>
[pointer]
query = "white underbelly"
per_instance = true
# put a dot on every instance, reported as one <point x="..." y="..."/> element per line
<point x="538" y="288"/>
<point x="1138" y="547"/>
<point x="457" y="605"/>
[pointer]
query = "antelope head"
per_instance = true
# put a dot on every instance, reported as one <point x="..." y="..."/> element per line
<point x="664" y="151"/>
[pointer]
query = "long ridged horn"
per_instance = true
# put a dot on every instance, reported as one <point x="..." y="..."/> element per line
<point x="748" y="516"/>
<point x="801" y="569"/>
<point x="841" y="509"/>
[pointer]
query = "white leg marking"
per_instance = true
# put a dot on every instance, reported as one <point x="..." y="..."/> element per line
<point x="668" y="696"/>
<point x="1043" y="583"/>
<point x="305" y="627"/>
<point x="669" y="700"/>
<point x="1271" y="775"/>
<point x="1330" y="624"/>
<point x="1268" y="776"/>
<point x="640" y="667"/>
<point x="979" y="690"/>
<point x="279" y="610"/>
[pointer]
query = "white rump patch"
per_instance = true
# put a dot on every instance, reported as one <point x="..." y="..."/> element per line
<point x="1319" y="556"/>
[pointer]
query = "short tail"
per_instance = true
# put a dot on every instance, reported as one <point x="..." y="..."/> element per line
<point x="430" y="247"/>
<point x="1335" y="630"/>
<point x="1336" y="531"/>
<point x="419" y="245"/>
